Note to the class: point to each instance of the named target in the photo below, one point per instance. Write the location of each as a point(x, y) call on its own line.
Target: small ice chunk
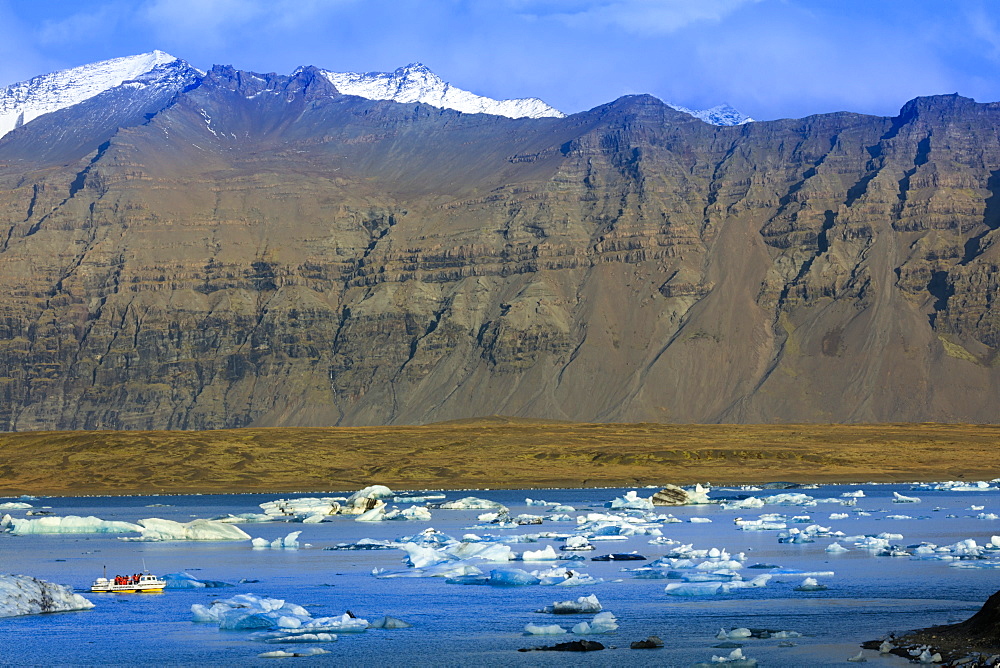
point(603, 622)
point(811, 584)
point(899, 498)
point(389, 623)
point(583, 604)
point(858, 658)
point(544, 630)
point(836, 548)
point(735, 634)
point(284, 654)
point(699, 520)
point(511, 577)
point(548, 554)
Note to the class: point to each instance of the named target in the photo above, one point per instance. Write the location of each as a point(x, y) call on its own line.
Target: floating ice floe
point(365, 499)
point(603, 622)
point(734, 634)
point(156, 529)
point(672, 495)
point(470, 503)
point(420, 513)
point(65, 524)
point(583, 604)
point(699, 520)
point(811, 584)
point(960, 486)
point(713, 588)
point(418, 499)
point(630, 501)
point(389, 623)
point(544, 630)
point(735, 659)
point(577, 544)
point(249, 612)
point(285, 654)
point(24, 595)
point(859, 494)
point(547, 554)
point(15, 505)
point(836, 548)
point(306, 507)
point(899, 498)
point(187, 581)
point(289, 542)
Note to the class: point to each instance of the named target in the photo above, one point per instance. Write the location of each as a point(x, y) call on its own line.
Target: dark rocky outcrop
point(248, 249)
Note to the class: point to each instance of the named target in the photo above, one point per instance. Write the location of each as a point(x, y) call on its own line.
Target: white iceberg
point(15, 505)
point(471, 503)
point(284, 654)
point(156, 529)
point(548, 554)
point(68, 524)
point(631, 501)
point(417, 513)
point(246, 611)
point(603, 622)
point(583, 604)
point(289, 542)
point(24, 595)
point(547, 630)
point(899, 498)
point(303, 507)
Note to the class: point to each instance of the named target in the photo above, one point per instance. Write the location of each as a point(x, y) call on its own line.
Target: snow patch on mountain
point(416, 83)
point(721, 114)
point(27, 100)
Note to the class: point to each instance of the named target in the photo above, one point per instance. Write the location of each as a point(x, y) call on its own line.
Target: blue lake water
point(456, 625)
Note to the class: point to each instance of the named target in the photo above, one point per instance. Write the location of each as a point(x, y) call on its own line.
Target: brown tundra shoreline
point(494, 452)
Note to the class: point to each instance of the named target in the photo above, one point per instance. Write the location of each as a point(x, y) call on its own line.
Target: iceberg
point(471, 503)
point(631, 501)
point(284, 654)
point(24, 595)
point(389, 623)
point(810, 584)
point(539, 630)
point(246, 611)
point(289, 542)
point(15, 505)
point(420, 513)
point(603, 622)
point(512, 577)
point(68, 524)
point(294, 636)
point(548, 554)
point(836, 548)
point(187, 581)
point(156, 529)
point(583, 604)
point(899, 498)
point(303, 507)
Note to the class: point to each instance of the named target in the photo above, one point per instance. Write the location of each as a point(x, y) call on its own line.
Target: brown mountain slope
point(264, 251)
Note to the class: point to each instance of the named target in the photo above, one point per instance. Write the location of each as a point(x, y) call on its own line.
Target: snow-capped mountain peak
point(721, 114)
point(24, 101)
point(417, 83)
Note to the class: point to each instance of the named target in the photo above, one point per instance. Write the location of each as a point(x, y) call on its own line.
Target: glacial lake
point(454, 625)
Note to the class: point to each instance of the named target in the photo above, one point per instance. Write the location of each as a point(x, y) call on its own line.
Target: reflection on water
point(478, 625)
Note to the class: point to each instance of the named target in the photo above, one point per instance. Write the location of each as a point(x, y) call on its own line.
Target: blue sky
point(768, 58)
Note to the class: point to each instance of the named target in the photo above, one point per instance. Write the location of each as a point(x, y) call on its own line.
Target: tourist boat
point(139, 583)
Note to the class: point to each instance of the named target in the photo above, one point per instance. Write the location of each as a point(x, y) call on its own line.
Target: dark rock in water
point(966, 643)
point(763, 566)
point(574, 646)
point(728, 645)
point(652, 642)
point(671, 495)
point(619, 557)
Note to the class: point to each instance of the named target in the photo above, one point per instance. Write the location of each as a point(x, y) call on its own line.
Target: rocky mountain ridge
point(246, 249)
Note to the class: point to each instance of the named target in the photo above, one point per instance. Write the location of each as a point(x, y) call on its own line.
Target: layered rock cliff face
point(243, 249)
